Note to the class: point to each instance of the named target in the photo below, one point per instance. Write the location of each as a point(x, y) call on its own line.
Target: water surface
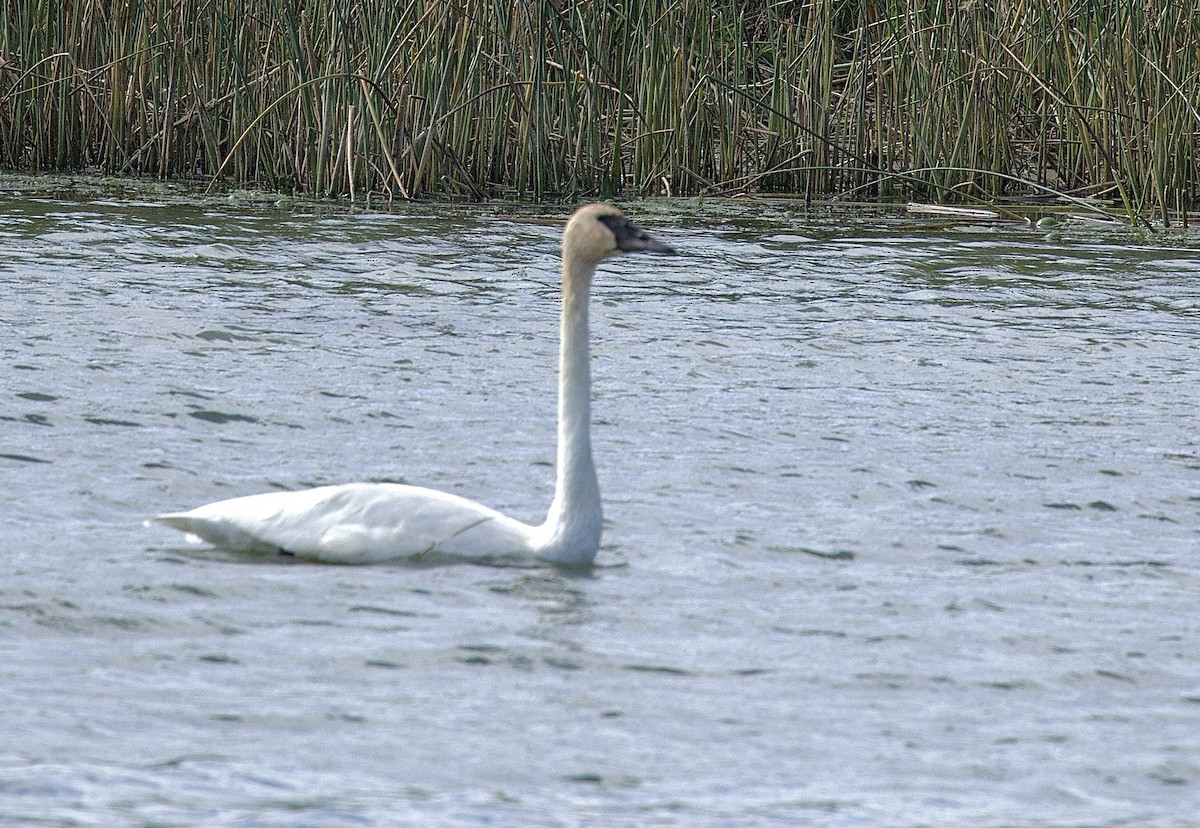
point(901, 523)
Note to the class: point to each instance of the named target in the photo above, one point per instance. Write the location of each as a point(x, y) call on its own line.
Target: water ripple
point(880, 495)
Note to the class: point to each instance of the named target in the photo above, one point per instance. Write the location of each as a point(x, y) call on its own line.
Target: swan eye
point(619, 226)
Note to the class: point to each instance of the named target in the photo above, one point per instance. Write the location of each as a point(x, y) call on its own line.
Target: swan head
point(598, 231)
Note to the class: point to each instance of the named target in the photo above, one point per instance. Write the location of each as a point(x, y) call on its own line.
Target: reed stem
point(947, 99)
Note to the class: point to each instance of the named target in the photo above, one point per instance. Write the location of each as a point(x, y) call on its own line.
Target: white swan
point(372, 522)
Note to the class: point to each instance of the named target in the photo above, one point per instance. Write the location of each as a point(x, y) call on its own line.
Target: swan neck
point(575, 516)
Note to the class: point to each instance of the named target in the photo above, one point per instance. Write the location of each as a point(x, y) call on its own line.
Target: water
point(902, 522)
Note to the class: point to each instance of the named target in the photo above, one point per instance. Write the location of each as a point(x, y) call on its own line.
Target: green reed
point(944, 99)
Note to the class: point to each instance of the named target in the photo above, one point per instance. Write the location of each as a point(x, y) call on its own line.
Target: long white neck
point(571, 533)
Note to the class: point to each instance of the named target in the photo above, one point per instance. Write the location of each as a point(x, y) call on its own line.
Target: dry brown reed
point(944, 99)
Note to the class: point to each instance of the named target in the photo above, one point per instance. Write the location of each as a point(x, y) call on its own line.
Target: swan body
point(374, 522)
point(357, 523)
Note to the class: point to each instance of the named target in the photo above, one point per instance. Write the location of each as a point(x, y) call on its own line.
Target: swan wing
point(356, 523)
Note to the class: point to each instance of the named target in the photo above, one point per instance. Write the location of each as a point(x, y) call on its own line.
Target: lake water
point(903, 522)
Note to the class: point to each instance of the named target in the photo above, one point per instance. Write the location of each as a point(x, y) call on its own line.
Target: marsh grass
point(945, 99)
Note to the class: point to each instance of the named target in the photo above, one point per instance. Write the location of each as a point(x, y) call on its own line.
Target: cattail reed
point(944, 99)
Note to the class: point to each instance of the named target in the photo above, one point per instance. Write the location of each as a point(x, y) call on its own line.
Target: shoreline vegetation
point(950, 101)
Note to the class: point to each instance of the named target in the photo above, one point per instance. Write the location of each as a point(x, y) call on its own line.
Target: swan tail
point(216, 531)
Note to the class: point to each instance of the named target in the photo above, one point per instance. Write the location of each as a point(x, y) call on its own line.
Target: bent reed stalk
point(946, 99)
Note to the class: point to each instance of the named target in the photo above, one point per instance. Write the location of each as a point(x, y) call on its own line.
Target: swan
point(357, 523)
